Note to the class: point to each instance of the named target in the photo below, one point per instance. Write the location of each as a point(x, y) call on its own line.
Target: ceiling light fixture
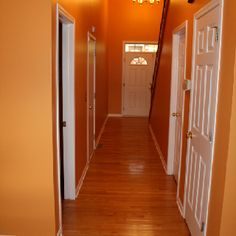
point(149, 1)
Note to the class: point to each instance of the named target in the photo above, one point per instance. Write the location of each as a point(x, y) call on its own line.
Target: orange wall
point(127, 22)
point(229, 203)
point(179, 11)
point(88, 14)
point(28, 173)
point(26, 149)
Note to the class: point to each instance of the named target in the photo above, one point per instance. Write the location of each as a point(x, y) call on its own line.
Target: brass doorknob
point(176, 114)
point(189, 135)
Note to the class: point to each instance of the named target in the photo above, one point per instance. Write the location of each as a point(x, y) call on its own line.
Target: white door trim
point(90, 36)
point(123, 69)
point(174, 83)
point(208, 7)
point(68, 75)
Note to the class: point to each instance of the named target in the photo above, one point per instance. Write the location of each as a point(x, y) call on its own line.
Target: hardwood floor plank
point(126, 191)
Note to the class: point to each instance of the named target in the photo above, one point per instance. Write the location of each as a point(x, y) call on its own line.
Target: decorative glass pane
point(138, 61)
point(140, 47)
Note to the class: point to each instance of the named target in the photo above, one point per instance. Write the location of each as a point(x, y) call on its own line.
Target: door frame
point(90, 36)
point(68, 75)
point(123, 69)
point(174, 84)
point(204, 10)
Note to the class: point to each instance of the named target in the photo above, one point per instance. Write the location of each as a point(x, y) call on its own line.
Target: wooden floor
point(126, 191)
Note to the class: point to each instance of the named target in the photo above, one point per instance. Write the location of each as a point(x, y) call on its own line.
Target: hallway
point(126, 191)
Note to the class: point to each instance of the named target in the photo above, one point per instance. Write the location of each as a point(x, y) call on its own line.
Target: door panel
point(202, 120)
point(138, 72)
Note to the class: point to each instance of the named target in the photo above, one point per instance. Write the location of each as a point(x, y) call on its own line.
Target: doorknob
point(90, 107)
point(189, 135)
point(176, 114)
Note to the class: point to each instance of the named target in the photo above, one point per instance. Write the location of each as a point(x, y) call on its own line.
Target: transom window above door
point(140, 47)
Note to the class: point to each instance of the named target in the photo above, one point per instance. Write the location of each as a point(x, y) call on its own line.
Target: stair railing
point(158, 54)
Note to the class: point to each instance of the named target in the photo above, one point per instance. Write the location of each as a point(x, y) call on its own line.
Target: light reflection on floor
point(136, 168)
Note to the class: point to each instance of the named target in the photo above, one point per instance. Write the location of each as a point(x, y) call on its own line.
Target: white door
point(66, 102)
point(202, 118)
point(138, 73)
point(178, 114)
point(91, 94)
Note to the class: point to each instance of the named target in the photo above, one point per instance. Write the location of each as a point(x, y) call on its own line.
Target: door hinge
point(203, 227)
point(217, 33)
point(211, 137)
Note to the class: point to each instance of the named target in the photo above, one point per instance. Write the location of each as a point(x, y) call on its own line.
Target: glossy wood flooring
point(126, 191)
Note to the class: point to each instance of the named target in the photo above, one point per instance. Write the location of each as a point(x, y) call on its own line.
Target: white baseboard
point(101, 131)
point(180, 206)
point(59, 233)
point(115, 115)
point(81, 180)
point(158, 149)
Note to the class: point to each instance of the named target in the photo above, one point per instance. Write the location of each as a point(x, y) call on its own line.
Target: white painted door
point(179, 103)
point(91, 94)
point(66, 102)
point(202, 118)
point(138, 73)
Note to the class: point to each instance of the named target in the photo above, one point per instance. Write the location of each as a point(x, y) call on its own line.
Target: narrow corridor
point(126, 191)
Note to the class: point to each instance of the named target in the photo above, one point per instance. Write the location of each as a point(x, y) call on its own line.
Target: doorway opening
point(91, 96)
point(61, 120)
point(138, 66)
point(65, 107)
point(178, 89)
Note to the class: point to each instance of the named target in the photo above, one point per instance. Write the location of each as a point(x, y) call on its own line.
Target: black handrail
point(158, 54)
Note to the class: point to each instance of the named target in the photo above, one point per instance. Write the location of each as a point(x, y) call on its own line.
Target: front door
point(138, 73)
point(91, 94)
point(202, 118)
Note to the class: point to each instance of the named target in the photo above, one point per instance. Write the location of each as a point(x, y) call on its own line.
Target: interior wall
point(29, 192)
point(88, 14)
point(229, 203)
point(26, 148)
point(127, 22)
point(179, 11)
